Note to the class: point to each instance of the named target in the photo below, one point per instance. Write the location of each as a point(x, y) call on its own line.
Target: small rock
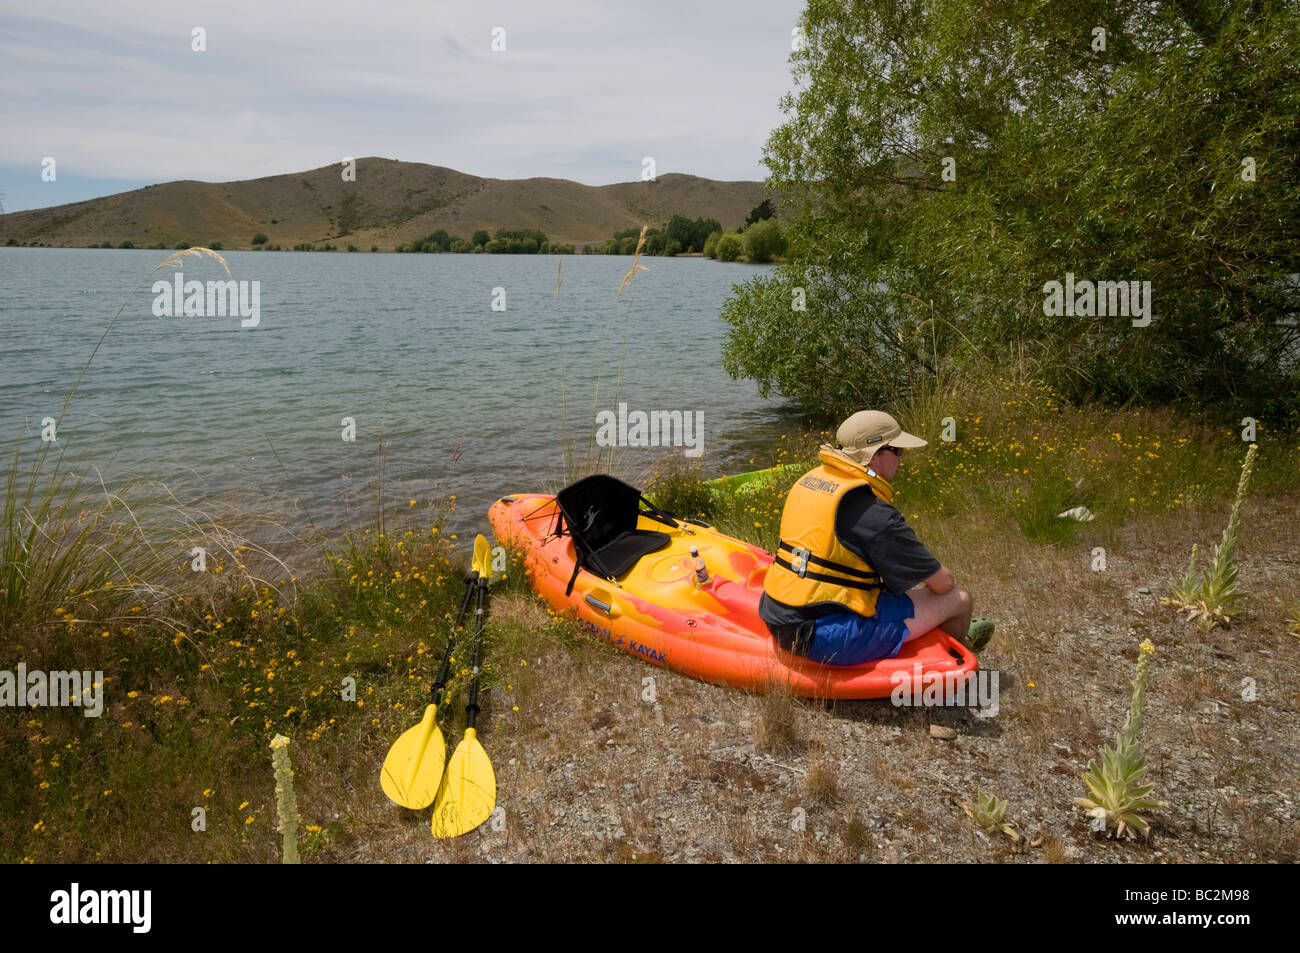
point(1144, 590)
point(943, 731)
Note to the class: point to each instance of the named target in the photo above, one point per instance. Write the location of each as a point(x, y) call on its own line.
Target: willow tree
point(941, 162)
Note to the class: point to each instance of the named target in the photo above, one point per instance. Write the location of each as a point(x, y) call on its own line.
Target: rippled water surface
point(471, 401)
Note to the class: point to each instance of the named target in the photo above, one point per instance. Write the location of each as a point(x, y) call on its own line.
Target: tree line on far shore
point(759, 240)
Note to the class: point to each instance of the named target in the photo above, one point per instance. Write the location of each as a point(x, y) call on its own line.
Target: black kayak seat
point(600, 513)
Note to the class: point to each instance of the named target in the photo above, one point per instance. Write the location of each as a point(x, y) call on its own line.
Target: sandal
point(981, 630)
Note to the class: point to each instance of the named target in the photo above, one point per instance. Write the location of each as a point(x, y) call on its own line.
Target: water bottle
point(701, 571)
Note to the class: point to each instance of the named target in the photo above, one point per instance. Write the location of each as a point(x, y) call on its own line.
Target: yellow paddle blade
point(482, 556)
point(413, 769)
point(469, 790)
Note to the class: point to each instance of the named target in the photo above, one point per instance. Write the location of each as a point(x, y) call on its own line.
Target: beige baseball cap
point(867, 431)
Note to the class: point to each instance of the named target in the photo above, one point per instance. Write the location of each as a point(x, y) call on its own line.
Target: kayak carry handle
point(604, 607)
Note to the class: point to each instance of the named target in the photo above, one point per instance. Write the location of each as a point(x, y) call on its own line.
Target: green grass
point(193, 713)
point(1021, 458)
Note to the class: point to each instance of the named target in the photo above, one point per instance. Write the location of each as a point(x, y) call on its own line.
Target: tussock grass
point(776, 720)
point(821, 783)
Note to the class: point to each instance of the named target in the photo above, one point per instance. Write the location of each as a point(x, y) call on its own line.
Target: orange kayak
point(656, 611)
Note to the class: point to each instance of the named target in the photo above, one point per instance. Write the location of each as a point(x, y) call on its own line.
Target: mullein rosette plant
point(1116, 787)
point(990, 813)
point(1212, 596)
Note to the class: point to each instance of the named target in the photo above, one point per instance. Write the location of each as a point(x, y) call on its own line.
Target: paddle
point(469, 788)
point(413, 768)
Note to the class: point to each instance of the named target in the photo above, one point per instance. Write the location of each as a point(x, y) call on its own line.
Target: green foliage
point(1117, 791)
point(259, 238)
point(215, 246)
point(438, 241)
point(710, 248)
point(680, 235)
point(1147, 186)
point(480, 237)
point(680, 489)
point(729, 247)
point(127, 244)
point(691, 234)
point(182, 246)
point(763, 241)
point(157, 246)
point(763, 210)
point(1213, 596)
point(374, 248)
point(989, 813)
point(352, 247)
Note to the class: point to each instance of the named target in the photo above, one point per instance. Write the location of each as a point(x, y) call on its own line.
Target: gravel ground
point(588, 770)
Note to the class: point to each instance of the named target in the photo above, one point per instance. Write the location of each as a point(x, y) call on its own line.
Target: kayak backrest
point(600, 513)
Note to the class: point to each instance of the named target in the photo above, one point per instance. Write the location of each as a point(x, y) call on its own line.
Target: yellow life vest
point(811, 564)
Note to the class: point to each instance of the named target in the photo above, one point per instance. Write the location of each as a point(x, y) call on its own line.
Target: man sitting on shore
point(840, 589)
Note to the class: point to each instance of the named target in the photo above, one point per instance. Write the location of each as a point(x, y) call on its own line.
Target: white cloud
point(583, 91)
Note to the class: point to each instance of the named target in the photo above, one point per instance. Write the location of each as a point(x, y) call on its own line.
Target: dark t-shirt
point(874, 530)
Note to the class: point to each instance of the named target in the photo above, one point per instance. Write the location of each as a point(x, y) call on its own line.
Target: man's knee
point(962, 598)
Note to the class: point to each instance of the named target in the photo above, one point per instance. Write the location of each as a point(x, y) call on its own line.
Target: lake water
point(471, 401)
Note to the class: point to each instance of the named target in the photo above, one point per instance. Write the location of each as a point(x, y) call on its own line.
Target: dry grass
point(821, 783)
point(776, 721)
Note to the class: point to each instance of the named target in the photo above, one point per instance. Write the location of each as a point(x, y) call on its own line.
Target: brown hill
point(389, 203)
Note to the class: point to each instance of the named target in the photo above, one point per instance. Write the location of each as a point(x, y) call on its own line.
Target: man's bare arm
point(941, 582)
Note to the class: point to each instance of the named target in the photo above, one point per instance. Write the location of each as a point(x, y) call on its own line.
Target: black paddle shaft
point(441, 681)
point(471, 710)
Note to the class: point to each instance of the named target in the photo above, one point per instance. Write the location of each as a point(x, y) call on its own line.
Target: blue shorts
point(846, 638)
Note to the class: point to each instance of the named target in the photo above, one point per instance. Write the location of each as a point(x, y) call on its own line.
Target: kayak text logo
point(36, 689)
point(948, 689)
point(103, 906)
point(658, 428)
point(212, 299)
point(1099, 299)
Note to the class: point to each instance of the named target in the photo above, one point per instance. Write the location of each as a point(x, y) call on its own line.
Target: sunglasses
point(896, 451)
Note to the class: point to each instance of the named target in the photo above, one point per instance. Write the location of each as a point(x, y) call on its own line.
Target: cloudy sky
point(584, 90)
